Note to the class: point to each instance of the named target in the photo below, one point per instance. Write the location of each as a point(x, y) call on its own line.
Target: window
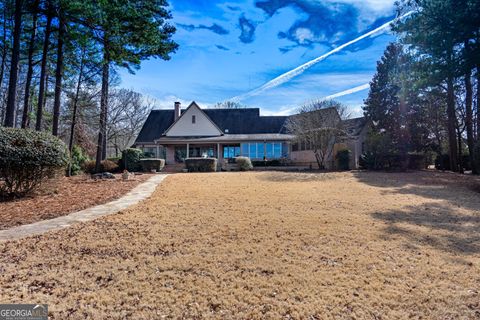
point(149, 152)
point(277, 150)
point(231, 151)
point(194, 119)
point(269, 150)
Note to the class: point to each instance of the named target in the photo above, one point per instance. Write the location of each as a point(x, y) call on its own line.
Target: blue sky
point(229, 48)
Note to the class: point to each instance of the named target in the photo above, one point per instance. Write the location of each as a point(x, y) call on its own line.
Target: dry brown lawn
point(265, 245)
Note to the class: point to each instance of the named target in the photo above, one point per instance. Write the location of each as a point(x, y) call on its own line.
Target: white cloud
point(304, 34)
point(378, 6)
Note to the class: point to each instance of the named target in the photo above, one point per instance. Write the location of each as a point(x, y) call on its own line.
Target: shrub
point(343, 158)
point(268, 163)
point(243, 163)
point(477, 156)
point(108, 166)
point(152, 164)
point(417, 161)
point(442, 162)
point(77, 160)
point(368, 161)
point(115, 159)
point(105, 166)
point(28, 159)
point(89, 166)
point(201, 164)
point(131, 159)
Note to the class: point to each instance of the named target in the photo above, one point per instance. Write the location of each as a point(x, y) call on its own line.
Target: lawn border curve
point(134, 196)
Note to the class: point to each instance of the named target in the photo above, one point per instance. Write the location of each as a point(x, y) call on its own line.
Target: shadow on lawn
point(458, 190)
point(434, 225)
point(279, 176)
point(441, 224)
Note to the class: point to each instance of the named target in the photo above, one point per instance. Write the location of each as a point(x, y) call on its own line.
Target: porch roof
point(226, 138)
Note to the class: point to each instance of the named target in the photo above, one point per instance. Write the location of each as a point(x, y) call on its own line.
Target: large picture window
point(257, 150)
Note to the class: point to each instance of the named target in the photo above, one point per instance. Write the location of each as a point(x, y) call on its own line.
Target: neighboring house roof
point(354, 126)
point(246, 121)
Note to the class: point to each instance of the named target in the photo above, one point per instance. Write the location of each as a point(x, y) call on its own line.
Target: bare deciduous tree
point(128, 112)
point(229, 105)
point(319, 126)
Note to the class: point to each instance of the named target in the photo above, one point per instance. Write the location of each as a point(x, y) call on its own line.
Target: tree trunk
point(28, 81)
point(103, 108)
point(460, 150)
point(74, 113)
point(478, 107)
point(452, 120)
point(469, 118)
point(12, 85)
point(58, 75)
point(4, 50)
point(43, 71)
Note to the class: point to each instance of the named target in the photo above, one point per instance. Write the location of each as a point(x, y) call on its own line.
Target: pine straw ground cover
point(68, 195)
point(264, 245)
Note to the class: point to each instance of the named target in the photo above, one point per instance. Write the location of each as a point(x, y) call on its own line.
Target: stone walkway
point(137, 194)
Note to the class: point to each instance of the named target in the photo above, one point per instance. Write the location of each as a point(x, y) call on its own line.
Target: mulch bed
point(69, 195)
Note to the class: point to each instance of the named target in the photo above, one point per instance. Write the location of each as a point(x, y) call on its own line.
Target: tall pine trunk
point(478, 107)
point(102, 133)
point(4, 50)
point(12, 85)
point(28, 80)
point(74, 112)
point(469, 118)
point(43, 71)
point(451, 124)
point(58, 75)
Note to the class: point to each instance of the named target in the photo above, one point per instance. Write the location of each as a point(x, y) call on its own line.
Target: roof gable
point(193, 122)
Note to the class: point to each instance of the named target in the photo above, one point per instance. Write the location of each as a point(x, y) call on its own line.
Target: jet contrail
point(281, 79)
point(347, 92)
point(335, 95)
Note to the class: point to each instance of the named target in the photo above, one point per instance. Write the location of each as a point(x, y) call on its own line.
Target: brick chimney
point(177, 110)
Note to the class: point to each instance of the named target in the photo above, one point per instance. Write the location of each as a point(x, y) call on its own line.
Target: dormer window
point(194, 119)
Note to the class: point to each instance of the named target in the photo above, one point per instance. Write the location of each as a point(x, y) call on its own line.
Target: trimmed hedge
point(243, 163)
point(28, 159)
point(150, 164)
point(131, 159)
point(201, 164)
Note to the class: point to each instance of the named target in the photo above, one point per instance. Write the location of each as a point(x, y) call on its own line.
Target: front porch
point(177, 153)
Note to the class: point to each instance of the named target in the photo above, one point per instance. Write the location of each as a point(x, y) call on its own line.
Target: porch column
point(218, 151)
point(188, 151)
point(158, 152)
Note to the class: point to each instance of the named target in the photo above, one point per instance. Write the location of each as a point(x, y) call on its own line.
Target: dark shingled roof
point(237, 121)
point(354, 126)
point(157, 122)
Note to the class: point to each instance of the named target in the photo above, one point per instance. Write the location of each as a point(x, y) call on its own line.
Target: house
point(178, 133)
